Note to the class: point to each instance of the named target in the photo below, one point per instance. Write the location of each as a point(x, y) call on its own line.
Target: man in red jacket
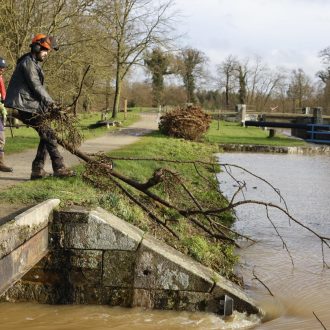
point(3, 114)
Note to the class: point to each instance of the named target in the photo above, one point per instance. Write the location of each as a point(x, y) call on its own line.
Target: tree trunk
point(116, 100)
point(227, 95)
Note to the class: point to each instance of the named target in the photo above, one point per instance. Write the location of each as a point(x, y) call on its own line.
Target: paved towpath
point(21, 162)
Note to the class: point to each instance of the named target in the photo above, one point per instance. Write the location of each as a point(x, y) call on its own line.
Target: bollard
point(272, 133)
point(125, 108)
point(317, 115)
point(241, 109)
point(243, 115)
point(306, 111)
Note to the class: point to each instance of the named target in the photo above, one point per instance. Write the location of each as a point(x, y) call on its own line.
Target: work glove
point(52, 108)
point(60, 109)
point(56, 107)
point(3, 112)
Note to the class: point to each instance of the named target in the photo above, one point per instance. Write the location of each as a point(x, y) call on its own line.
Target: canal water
point(298, 290)
point(43, 317)
point(301, 292)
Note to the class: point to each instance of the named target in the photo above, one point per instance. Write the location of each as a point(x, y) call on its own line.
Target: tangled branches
point(64, 123)
point(164, 195)
point(204, 216)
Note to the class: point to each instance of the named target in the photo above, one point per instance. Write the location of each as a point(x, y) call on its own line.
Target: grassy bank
point(23, 138)
point(191, 241)
point(234, 133)
point(18, 140)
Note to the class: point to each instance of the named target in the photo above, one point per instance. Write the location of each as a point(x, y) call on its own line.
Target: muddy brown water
point(42, 317)
point(302, 289)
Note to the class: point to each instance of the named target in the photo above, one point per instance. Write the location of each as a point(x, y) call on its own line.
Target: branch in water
point(280, 236)
point(319, 321)
point(259, 280)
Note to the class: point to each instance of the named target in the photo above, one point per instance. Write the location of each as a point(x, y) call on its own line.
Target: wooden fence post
point(125, 108)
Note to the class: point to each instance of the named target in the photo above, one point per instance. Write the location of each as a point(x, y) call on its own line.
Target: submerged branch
point(320, 321)
point(251, 201)
point(280, 236)
point(261, 282)
point(276, 190)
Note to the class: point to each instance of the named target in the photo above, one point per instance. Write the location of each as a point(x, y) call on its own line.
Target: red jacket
point(2, 89)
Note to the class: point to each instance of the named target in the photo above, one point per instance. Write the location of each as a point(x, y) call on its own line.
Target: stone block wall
point(23, 242)
point(97, 258)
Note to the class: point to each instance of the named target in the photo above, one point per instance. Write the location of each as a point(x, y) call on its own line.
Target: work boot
point(39, 174)
point(64, 173)
point(3, 167)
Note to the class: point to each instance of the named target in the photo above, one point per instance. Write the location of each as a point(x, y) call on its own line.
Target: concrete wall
point(23, 242)
point(97, 258)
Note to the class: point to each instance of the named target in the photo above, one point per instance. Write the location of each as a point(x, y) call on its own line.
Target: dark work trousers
point(2, 137)
point(48, 142)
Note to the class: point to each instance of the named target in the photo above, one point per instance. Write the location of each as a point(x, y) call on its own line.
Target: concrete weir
point(96, 258)
point(24, 242)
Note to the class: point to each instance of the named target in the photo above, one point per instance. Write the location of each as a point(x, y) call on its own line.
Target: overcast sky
point(284, 33)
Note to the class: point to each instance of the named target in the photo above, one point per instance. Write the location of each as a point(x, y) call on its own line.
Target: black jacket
point(26, 91)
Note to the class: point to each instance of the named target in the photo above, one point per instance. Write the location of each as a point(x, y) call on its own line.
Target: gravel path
point(21, 162)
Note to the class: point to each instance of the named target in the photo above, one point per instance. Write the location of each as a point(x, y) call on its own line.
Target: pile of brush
point(189, 123)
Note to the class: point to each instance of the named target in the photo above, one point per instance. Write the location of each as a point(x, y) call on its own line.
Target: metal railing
point(319, 133)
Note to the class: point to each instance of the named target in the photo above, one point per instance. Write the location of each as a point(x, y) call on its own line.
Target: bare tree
point(300, 88)
point(279, 95)
point(262, 84)
point(65, 19)
point(324, 75)
point(325, 55)
point(256, 84)
point(227, 77)
point(130, 27)
point(20, 20)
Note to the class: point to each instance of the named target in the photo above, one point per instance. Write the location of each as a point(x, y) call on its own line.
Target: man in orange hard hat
point(27, 94)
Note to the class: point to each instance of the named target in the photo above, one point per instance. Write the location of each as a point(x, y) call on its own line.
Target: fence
point(319, 133)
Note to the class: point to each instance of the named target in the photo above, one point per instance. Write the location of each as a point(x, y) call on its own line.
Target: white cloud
point(288, 33)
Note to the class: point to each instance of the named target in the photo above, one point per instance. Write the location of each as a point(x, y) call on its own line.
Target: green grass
point(70, 191)
point(76, 191)
point(157, 145)
point(149, 146)
point(23, 138)
point(27, 138)
point(234, 133)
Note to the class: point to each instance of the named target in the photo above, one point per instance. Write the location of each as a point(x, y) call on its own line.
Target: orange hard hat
point(42, 40)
